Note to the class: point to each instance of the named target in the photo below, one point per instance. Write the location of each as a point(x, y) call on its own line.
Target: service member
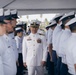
point(19, 39)
point(54, 41)
point(65, 35)
point(8, 56)
point(49, 42)
point(14, 16)
point(2, 32)
point(34, 51)
point(70, 48)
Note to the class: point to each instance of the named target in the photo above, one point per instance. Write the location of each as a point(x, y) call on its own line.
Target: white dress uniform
point(40, 31)
point(19, 43)
point(50, 32)
point(56, 37)
point(65, 35)
point(49, 40)
point(12, 37)
point(70, 51)
point(1, 63)
point(56, 32)
point(8, 57)
point(34, 53)
point(46, 35)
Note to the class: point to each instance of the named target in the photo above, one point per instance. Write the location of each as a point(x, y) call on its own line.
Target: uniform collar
point(11, 35)
point(62, 29)
point(5, 36)
point(67, 29)
point(18, 37)
point(33, 34)
point(50, 29)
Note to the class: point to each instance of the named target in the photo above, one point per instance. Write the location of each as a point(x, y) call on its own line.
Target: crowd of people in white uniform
point(61, 44)
point(53, 48)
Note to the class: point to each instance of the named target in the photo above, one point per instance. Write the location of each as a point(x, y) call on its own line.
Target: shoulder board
point(41, 34)
point(42, 29)
point(26, 35)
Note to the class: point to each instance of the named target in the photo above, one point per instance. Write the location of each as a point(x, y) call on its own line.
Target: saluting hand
point(24, 64)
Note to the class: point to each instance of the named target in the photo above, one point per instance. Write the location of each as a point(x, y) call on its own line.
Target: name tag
point(29, 39)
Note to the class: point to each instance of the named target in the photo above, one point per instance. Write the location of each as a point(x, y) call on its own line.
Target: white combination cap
point(50, 21)
point(38, 22)
point(58, 16)
point(1, 11)
point(13, 11)
point(71, 22)
point(7, 12)
point(67, 15)
point(35, 21)
point(53, 23)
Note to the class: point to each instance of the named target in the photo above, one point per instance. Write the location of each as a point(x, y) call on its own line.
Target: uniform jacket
point(7, 56)
point(34, 49)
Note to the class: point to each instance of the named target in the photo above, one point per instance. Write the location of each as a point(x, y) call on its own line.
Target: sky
point(37, 16)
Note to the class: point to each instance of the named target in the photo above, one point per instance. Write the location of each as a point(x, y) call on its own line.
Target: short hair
point(73, 27)
point(62, 26)
point(64, 22)
point(53, 25)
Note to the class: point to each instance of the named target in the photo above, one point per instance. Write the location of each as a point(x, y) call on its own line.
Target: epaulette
point(41, 29)
point(26, 35)
point(41, 34)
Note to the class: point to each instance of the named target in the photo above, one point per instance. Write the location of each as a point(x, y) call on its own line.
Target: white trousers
point(35, 70)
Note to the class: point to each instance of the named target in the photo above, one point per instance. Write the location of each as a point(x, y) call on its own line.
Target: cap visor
point(34, 26)
point(2, 22)
point(15, 17)
point(9, 18)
